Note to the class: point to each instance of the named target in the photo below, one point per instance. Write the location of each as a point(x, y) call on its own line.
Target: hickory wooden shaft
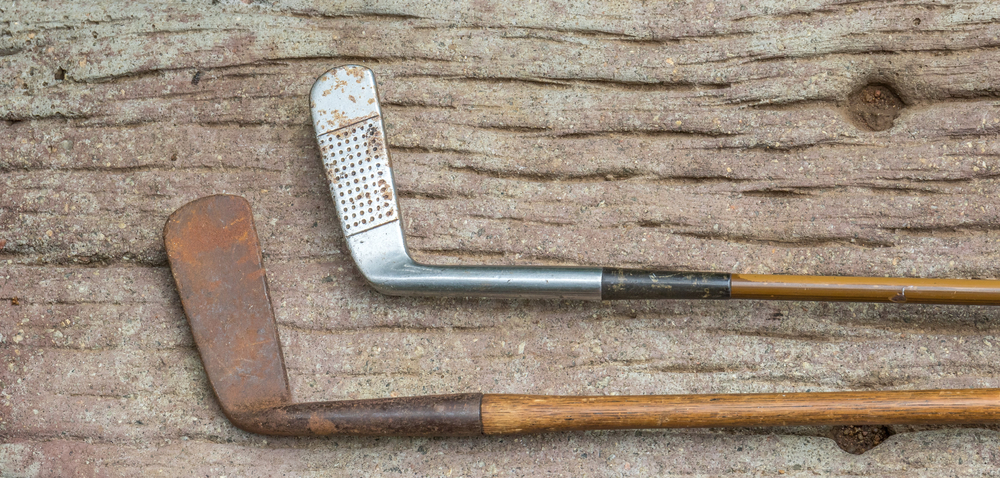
point(865, 289)
point(506, 414)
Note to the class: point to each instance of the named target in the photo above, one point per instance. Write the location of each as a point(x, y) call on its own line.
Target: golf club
point(348, 124)
point(216, 261)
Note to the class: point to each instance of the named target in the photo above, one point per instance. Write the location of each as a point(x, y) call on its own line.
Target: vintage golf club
point(348, 124)
point(216, 262)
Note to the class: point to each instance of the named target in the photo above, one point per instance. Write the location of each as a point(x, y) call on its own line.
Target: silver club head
point(352, 142)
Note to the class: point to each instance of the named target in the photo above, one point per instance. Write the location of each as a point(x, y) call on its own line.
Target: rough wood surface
point(689, 135)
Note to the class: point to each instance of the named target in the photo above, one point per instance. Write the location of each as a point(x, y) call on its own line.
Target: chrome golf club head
point(352, 140)
point(351, 136)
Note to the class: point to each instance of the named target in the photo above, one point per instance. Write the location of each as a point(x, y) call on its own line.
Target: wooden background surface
point(691, 135)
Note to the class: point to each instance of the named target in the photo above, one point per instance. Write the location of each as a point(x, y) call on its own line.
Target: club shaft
point(515, 414)
point(865, 289)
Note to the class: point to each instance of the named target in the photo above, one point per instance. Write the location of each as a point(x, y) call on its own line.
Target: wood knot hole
point(874, 107)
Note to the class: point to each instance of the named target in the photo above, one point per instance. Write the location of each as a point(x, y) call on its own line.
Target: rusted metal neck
point(429, 415)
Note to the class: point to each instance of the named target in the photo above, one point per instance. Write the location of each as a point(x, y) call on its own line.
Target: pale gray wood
point(694, 135)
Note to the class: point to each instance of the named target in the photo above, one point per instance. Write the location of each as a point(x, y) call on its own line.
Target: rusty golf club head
point(347, 120)
point(216, 261)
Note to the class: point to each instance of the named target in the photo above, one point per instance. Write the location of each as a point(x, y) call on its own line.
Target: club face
point(216, 262)
point(348, 124)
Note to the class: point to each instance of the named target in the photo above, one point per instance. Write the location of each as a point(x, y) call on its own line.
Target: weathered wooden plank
point(695, 135)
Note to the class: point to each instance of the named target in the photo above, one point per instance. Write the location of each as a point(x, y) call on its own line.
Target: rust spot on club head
point(385, 190)
point(357, 72)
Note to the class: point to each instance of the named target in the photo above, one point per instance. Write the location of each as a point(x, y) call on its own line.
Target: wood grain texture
point(671, 135)
point(866, 289)
point(509, 414)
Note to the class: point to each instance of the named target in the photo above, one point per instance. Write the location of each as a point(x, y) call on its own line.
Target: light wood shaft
point(515, 414)
point(865, 289)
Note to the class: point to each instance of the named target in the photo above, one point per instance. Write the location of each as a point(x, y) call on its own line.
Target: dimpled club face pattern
point(351, 138)
point(358, 172)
